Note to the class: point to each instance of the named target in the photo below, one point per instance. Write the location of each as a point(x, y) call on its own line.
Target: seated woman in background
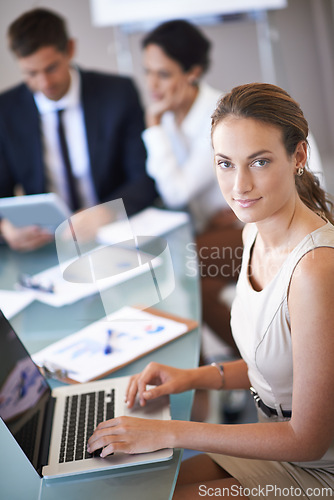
point(177, 140)
point(282, 319)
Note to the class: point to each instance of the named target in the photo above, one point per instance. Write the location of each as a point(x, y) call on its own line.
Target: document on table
point(111, 343)
point(124, 265)
point(13, 302)
point(149, 222)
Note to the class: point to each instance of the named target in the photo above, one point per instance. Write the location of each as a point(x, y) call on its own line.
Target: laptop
point(52, 427)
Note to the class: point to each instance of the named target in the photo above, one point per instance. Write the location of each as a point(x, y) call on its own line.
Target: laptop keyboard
point(83, 412)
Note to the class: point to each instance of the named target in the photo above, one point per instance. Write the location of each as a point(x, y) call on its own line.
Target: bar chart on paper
point(110, 343)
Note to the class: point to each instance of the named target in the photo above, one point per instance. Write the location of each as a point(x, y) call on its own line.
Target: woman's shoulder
point(323, 236)
point(316, 249)
point(311, 291)
point(316, 266)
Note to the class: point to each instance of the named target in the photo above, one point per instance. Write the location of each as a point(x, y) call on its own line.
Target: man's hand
point(23, 239)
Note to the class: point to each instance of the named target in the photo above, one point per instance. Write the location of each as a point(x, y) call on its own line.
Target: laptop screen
point(24, 392)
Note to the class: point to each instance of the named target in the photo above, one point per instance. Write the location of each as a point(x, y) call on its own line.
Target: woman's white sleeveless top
point(261, 324)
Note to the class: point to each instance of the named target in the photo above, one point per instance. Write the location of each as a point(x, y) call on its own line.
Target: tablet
point(45, 210)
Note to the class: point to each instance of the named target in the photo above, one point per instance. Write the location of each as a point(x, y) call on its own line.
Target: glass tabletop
point(39, 325)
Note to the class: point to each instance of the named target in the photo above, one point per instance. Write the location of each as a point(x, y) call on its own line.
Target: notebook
point(52, 427)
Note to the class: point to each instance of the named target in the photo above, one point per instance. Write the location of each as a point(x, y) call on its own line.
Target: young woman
point(176, 56)
point(282, 320)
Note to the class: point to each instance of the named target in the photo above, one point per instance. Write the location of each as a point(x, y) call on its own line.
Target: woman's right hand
point(174, 99)
point(165, 379)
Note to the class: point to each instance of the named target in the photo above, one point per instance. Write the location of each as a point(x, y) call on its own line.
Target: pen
point(108, 349)
point(27, 281)
point(53, 371)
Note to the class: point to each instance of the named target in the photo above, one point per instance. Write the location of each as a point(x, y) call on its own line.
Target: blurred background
point(286, 42)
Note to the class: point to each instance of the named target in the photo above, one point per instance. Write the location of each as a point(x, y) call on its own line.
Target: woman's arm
point(310, 431)
point(170, 380)
point(311, 300)
point(178, 182)
point(181, 176)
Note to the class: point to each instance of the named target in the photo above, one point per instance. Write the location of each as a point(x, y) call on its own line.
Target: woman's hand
point(178, 98)
point(166, 379)
point(129, 435)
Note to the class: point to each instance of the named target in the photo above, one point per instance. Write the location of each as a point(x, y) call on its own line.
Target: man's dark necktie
point(73, 192)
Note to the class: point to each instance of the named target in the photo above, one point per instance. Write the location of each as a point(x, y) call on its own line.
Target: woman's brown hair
point(271, 104)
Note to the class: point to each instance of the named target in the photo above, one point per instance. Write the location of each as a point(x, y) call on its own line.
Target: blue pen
point(27, 281)
point(108, 349)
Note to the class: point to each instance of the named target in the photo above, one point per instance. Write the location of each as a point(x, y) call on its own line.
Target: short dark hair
point(182, 42)
point(35, 29)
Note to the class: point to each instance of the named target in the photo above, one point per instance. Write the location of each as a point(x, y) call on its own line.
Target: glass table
point(38, 325)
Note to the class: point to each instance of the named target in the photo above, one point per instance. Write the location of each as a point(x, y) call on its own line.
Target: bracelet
point(220, 368)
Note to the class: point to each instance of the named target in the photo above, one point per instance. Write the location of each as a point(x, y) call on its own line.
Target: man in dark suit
point(102, 121)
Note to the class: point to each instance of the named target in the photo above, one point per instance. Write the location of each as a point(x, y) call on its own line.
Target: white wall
point(301, 48)
point(299, 43)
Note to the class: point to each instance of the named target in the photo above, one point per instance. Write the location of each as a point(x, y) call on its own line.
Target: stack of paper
point(150, 222)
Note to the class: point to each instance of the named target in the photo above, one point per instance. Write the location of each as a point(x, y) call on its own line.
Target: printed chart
point(109, 343)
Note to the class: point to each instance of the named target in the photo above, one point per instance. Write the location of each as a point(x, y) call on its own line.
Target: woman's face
point(255, 174)
point(165, 78)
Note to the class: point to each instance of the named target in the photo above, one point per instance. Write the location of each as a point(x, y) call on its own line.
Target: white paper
point(150, 222)
point(68, 292)
point(13, 302)
point(134, 333)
